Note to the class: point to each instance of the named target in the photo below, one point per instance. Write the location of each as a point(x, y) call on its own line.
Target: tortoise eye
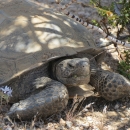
point(70, 66)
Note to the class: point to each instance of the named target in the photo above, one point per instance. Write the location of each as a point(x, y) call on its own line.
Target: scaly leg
point(53, 98)
point(110, 85)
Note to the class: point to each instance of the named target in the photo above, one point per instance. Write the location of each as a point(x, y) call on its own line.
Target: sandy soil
point(94, 113)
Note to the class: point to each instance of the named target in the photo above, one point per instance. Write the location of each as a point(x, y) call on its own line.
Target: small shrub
point(109, 17)
point(124, 66)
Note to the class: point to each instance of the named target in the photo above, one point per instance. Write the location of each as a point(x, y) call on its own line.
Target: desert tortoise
point(43, 52)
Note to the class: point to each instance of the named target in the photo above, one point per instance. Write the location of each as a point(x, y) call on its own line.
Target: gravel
point(100, 114)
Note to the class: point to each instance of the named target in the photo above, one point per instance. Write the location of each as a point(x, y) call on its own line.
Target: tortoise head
point(72, 72)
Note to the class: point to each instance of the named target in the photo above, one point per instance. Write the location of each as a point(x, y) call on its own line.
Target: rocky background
point(94, 113)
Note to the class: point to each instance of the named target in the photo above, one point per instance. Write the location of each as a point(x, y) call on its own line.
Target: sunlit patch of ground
point(94, 113)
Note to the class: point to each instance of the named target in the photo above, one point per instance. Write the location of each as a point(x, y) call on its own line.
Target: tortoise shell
point(31, 35)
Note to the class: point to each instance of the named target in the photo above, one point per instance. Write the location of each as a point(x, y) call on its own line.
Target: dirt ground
point(94, 113)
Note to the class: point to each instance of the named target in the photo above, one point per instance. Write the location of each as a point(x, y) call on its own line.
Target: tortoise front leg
point(110, 85)
point(53, 98)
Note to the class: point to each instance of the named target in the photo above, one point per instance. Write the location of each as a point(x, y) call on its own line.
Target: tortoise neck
point(52, 67)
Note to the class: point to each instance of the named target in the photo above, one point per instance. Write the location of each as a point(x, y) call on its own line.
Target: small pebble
point(116, 106)
point(69, 124)
point(90, 119)
point(62, 122)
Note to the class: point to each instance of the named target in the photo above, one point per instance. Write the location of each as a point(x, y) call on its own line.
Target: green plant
point(124, 17)
point(95, 22)
point(3, 97)
point(5, 93)
point(106, 14)
point(109, 17)
point(124, 66)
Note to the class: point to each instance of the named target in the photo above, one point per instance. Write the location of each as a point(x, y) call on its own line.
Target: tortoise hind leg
point(50, 100)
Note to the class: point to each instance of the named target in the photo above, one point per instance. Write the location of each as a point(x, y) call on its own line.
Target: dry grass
point(95, 114)
point(89, 115)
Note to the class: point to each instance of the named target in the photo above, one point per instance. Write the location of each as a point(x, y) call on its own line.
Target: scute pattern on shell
point(31, 35)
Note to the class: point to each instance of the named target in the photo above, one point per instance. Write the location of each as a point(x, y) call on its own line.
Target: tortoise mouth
point(75, 80)
point(78, 77)
point(81, 77)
